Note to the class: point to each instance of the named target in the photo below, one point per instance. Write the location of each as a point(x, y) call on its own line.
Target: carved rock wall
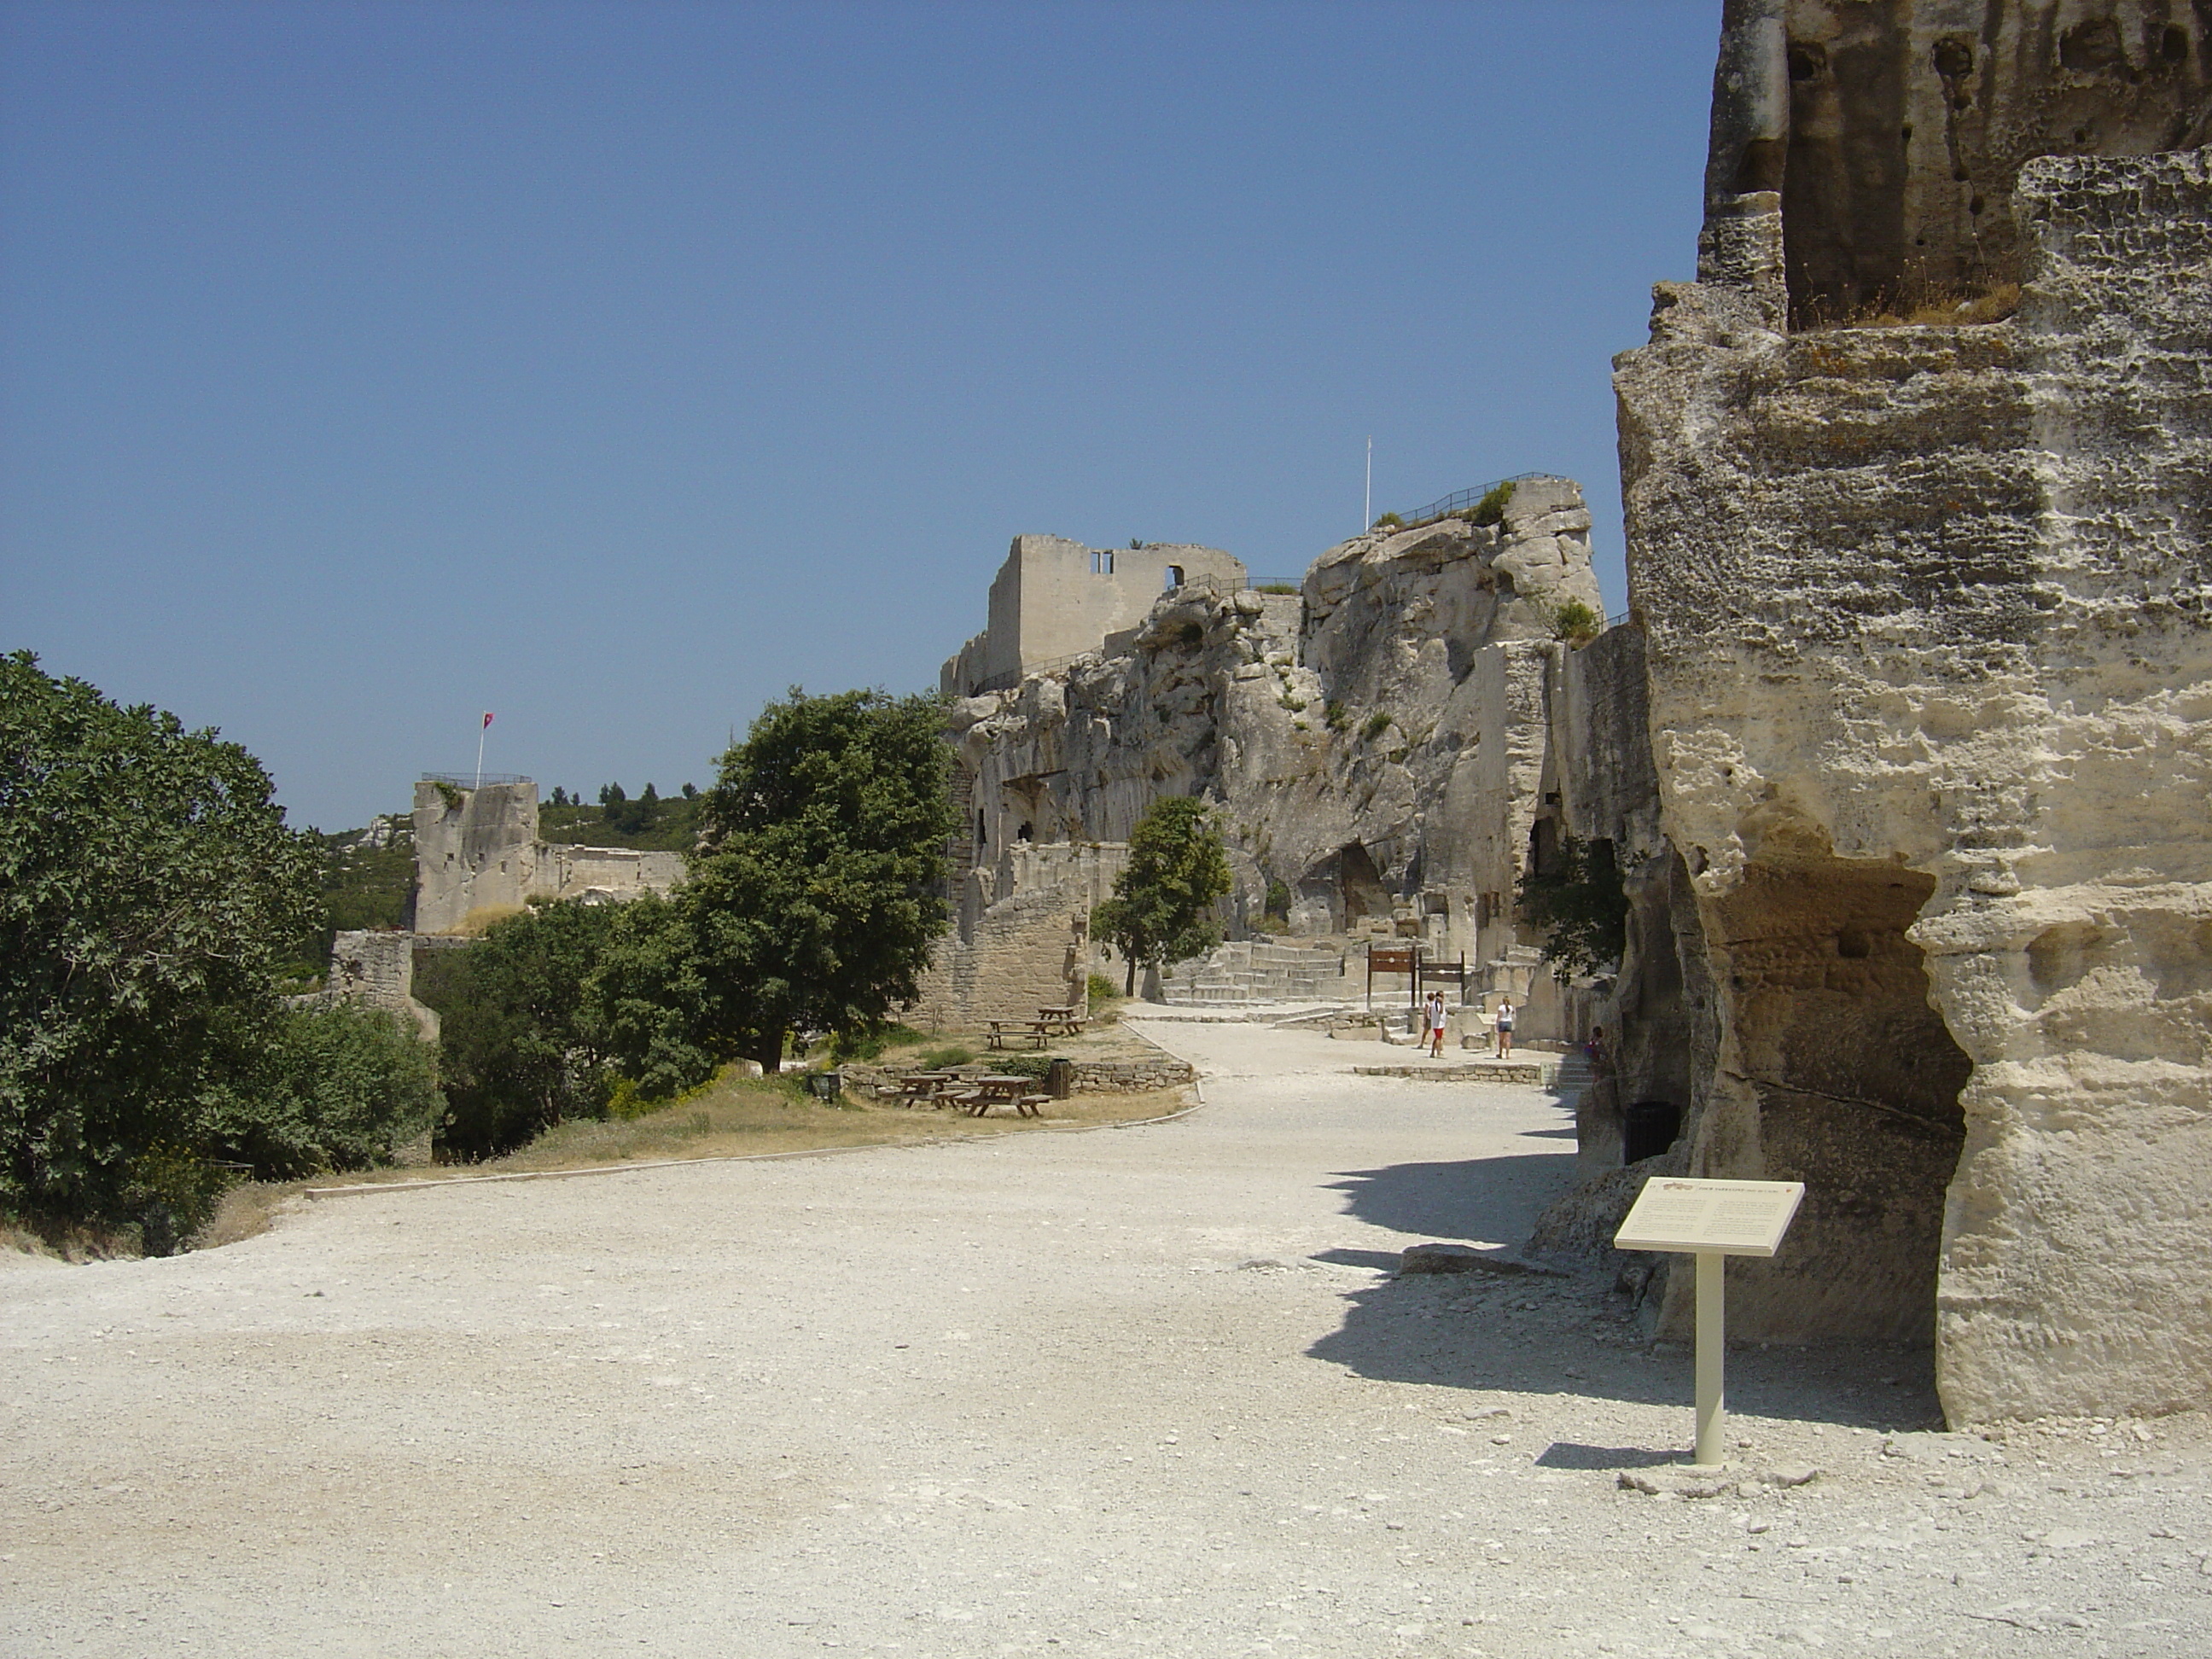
point(1930, 670)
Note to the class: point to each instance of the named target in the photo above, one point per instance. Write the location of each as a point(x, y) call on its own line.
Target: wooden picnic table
point(1065, 1018)
point(1014, 1091)
point(916, 1087)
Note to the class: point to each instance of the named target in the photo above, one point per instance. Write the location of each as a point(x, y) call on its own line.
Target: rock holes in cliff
point(1857, 1080)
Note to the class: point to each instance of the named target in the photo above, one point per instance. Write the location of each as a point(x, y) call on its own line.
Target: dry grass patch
point(744, 1117)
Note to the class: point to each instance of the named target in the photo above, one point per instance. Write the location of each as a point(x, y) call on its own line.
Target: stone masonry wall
point(477, 856)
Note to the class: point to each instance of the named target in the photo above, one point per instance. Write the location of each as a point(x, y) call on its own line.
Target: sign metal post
point(1711, 1220)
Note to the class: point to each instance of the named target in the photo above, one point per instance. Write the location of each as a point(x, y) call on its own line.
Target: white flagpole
point(482, 727)
point(1367, 511)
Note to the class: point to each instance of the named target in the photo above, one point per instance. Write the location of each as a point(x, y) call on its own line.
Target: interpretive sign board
point(1732, 1218)
point(1711, 1220)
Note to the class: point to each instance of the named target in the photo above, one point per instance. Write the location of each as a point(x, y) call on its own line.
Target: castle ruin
point(478, 856)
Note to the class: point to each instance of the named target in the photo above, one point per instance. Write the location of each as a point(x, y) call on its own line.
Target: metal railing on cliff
point(1461, 499)
point(471, 779)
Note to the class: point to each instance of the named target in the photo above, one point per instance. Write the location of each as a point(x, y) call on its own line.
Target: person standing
point(1505, 1028)
point(1436, 1010)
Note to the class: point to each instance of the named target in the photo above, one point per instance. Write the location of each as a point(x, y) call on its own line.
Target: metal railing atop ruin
point(471, 779)
point(1459, 500)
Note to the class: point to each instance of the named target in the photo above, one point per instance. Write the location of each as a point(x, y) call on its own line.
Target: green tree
point(815, 906)
point(1576, 900)
point(342, 1087)
point(1161, 910)
point(520, 1045)
point(148, 892)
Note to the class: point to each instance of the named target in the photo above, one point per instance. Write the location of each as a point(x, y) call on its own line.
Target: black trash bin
point(1649, 1128)
point(1060, 1078)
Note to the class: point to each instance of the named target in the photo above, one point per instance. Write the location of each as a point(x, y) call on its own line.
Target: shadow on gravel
point(1542, 1335)
point(1382, 1262)
point(1548, 1336)
point(1476, 1198)
point(1570, 1455)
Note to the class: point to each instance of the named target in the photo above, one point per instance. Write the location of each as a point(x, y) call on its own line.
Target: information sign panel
point(1728, 1217)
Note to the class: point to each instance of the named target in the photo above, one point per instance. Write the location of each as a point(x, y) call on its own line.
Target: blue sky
point(614, 366)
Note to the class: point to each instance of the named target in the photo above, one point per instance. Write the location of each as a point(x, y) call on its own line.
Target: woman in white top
point(1504, 1027)
point(1436, 1014)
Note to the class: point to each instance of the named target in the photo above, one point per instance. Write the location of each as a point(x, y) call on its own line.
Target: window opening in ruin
point(1025, 833)
point(1174, 575)
point(1102, 562)
point(980, 836)
point(1543, 845)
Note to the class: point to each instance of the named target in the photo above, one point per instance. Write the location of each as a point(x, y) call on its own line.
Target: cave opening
point(1856, 1080)
point(1359, 885)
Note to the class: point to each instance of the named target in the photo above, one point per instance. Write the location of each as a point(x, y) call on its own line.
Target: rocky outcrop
point(1377, 742)
point(1928, 618)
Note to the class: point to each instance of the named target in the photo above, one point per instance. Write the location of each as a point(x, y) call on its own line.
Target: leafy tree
point(821, 893)
point(148, 891)
point(520, 1045)
point(1161, 910)
point(1576, 900)
point(334, 1088)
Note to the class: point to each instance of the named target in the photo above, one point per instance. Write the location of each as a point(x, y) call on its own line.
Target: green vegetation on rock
point(1578, 902)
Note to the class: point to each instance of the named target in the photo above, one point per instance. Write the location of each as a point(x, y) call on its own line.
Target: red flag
point(487, 720)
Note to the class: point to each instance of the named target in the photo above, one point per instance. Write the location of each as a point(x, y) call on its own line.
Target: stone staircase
point(1572, 1075)
point(1255, 971)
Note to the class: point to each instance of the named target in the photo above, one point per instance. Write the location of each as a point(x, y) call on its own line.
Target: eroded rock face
point(1929, 613)
point(1377, 742)
point(1896, 130)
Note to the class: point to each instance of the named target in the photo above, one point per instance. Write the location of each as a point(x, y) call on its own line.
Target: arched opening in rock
point(1856, 1082)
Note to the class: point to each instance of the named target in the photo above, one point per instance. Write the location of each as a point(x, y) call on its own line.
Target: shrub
point(1338, 715)
point(868, 1044)
point(1101, 990)
point(1296, 705)
point(1031, 1066)
point(1491, 509)
point(1276, 906)
point(1397, 757)
point(1377, 724)
point(452, 797)
point(937, 1059)
point(1576, 623)
point(1388, 521)
point(1578, 902)
point(1277, 588)
point(339, 1088)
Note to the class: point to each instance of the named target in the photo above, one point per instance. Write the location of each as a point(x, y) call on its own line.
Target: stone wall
point(477, 857)
point(1021, 935)
point(1054, 598)
point(1928, 613)
point(376, 968)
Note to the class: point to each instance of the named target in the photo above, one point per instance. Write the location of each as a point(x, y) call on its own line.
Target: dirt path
point(1143, 1392)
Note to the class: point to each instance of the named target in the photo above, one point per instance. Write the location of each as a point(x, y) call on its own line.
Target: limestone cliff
point(1376, 741)
point(1928, 617)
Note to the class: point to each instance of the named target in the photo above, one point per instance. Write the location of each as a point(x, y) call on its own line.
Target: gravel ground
point(1142, 1392)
